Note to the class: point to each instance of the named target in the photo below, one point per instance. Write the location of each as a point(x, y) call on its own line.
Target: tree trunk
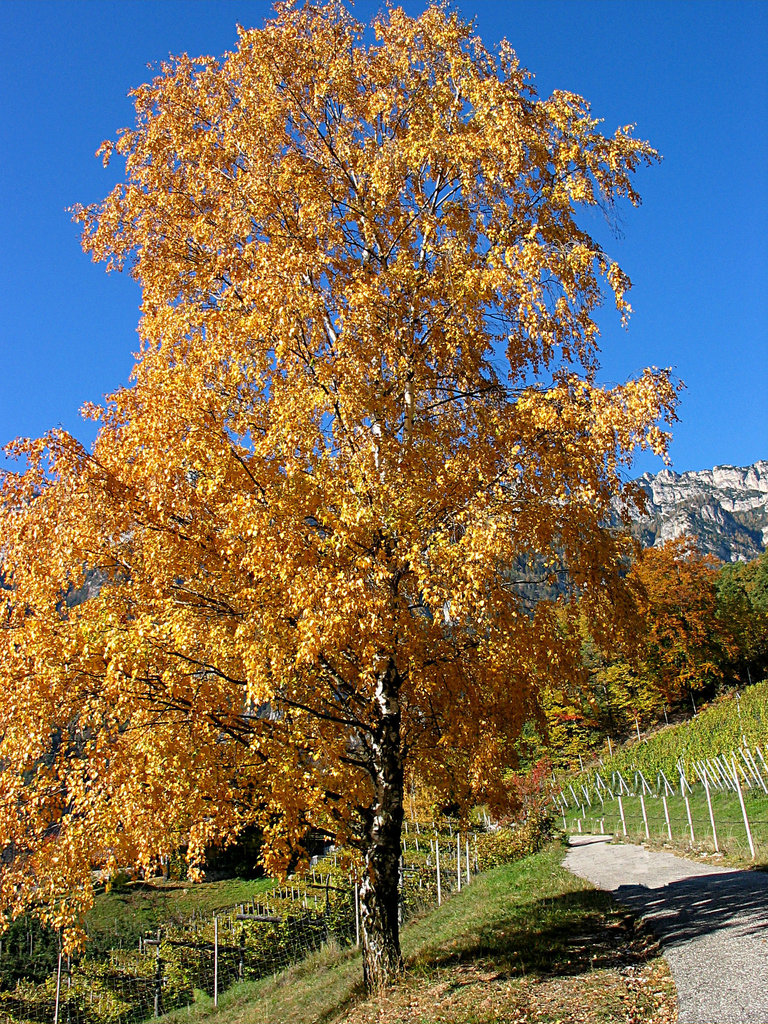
point(379, 891)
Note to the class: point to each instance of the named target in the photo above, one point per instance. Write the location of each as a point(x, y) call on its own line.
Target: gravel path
point(712, 923)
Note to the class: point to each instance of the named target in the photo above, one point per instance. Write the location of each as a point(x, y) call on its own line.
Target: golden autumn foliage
point(680, 642)
point(366, 390)
point(685, 643)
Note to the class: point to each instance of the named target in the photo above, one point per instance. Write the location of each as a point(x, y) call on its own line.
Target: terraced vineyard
point(272, 926)
point(701, 785)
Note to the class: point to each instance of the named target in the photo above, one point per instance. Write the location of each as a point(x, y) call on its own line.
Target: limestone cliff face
point(725, 509)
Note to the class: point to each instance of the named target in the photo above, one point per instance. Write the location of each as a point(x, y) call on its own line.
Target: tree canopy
point(366, 394)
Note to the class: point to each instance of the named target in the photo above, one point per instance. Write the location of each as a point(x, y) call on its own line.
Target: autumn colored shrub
point(513, 842)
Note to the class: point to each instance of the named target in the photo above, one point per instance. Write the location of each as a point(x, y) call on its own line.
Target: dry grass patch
point(638, 990)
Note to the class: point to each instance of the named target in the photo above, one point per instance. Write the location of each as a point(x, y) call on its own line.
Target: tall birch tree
point(367, 393)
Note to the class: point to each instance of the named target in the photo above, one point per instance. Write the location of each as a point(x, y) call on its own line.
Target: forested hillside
point(700, 630)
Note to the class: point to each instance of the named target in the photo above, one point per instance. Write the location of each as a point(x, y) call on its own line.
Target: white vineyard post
point(458, 861)
point(749, 778)
point(466, 860)
point(744, 811)
point(729, 771)
point(621, 811)
point(726, 769)
point(666, 814)
point(715, 776)
point(645, 816)
point(357, 913)
point(732, 767)
point(757, 772)
point(437, 863)
point(58, 986)
point(159, 966)
point(703, 773)
point(747, 761)
point(718, 774)
point(215, 960)
point(762, 759)
point(687, 806)
point(668, 788)
point(711, 812)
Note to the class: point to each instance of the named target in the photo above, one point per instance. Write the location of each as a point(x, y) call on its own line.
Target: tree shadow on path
point(701, 905)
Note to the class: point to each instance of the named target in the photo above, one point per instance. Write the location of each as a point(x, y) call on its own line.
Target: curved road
point(712, 924)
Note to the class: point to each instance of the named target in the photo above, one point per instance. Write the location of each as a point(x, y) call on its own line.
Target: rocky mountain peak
point(725, 509)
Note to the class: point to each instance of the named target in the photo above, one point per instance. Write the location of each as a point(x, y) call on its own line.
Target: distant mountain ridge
point(725, 509)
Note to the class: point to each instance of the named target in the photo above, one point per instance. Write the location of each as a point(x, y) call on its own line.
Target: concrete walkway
point(712, 923)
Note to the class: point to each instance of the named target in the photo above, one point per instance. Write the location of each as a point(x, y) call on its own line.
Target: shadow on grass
point(563, 935)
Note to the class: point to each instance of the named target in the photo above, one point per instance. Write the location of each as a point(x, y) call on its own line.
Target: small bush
point(513, 842)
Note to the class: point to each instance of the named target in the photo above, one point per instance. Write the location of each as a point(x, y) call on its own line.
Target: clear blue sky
point(693, 76)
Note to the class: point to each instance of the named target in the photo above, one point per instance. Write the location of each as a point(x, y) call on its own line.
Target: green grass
point(525, 942)
point(729, 823)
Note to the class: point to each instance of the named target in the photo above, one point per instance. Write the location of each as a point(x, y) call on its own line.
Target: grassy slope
point(731, 834)
point(526, 942)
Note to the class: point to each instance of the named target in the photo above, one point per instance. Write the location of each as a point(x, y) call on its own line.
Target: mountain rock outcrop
point(725, 509)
